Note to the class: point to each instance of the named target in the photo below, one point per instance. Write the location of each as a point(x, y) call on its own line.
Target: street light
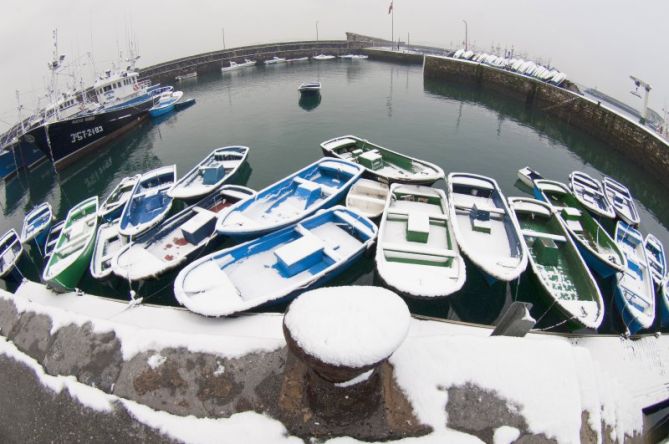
point(316, 30)
point(466, 38)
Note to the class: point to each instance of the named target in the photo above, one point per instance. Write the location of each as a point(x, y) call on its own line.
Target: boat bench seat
point(398, 212)
point(199, 226)
point(418, 249)
point(328, 191)
point(366, 199)
point(539, 234)
point(71, 247)
point(300, 254)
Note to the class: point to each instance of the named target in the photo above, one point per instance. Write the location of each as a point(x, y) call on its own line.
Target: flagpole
point(392, 28)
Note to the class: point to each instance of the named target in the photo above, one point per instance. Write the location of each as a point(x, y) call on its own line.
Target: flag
point(390, 8)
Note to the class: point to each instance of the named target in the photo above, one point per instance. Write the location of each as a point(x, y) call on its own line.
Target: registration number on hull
point(85, 134)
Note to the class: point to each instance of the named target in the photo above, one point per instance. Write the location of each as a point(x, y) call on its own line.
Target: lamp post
point(223, 34)
point(466, 37)
point(316, 30)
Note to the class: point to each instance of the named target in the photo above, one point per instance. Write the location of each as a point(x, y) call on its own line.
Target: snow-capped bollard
point(516, 321)
point(344, 333)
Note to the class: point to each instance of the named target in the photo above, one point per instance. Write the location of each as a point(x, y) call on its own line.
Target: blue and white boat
point(7, 163)
point(657, 260)
point(634, 293)
point(113, 205)
point(10, 252)
point(621, 201)
point(164, 103)
point(664, 303)
point(52, 239)
point(589, 192)
point(178, 239)
point(277, 266)
point(107, 243)
point(149, 203)
point(319, 185)
point(217, 168)
point(484, 226)
point(36, 224)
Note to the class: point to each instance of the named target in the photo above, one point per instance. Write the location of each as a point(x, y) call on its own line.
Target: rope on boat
point(556, 325)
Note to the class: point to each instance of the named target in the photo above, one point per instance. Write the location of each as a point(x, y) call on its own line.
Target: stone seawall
point(640, 145)
point(384, 55)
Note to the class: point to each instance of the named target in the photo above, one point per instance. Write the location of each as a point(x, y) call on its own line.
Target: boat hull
point(598, 265)
point(161, 111)
point(630, 321)
point(68, 279)
point(664, 306)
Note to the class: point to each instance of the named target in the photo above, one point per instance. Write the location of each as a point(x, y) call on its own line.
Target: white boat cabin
point(118, 87)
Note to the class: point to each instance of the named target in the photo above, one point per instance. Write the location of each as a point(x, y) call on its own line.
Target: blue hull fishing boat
point(113, 205)
point(7, 164)
point(217, 168)
point(149, 202)
point(275, 267)
point(178, 239)
point(36, 224)
point(657, 260)
point(590, 194)
point(165, 103)
point(52, 239)
point(317, 186)
point(634, 293)
point(10, 252)
point(621, 201)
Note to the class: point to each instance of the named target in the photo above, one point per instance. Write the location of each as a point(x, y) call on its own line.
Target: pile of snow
point(349, 326)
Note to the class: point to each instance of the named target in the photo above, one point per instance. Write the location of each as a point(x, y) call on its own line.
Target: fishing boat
point(113, 205)
point(164, 103)
point(107, 243)
point(664, 303)
point(52, 239)
point(657, 260)
point(234, 65)
point(10, 252)
point(187, 76)
point(148, 203)
point(354, 57)
point(417, 254)
point(621, 201)
point(178, 239)
point(316, 186)
point(634, 292)
point(589, 192)
point(323, 57)
point(184, 104)
point(381, 163)
point(599, 250)
point(297, 59)
point(217, 168)
point(310, 88)
point(557, 264)
point(277, 266)
point(527, 176)
point(36, 224)
point(72, 252)
point(486, 230)
point(367, 197)
point(274, 60)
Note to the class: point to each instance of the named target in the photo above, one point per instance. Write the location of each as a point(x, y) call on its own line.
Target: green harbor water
point(459, 128)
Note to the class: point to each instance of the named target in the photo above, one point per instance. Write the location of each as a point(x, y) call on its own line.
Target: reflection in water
point(309, 102)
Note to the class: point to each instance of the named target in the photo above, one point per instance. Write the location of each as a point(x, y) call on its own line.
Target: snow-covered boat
point(354, 57)
point(634, 292)
point(323, 57)
point(72, 253)
point(164, 103)
point(664, 303)
point(217, 168)
point(557, 264)
point(297, 59)
point(277, 266)
point(599, 250)
point(417, 254)
point(310, 88)
point(36, 224)
point(657, 260)
point(10, 252)
point(188, 76)
point(527, 176)
point(621, 201)
point(367, 197)
point(589, 192)
point(178, 239)
point(381, 163)
point(484, 227)
point(107, 242)
point(52, 239)
point(316, 186)
point(149, 203)
point(274, 60)
point(113, 205)
point(234, 65)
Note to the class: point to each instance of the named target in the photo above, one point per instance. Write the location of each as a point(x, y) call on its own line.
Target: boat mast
point(54, 66)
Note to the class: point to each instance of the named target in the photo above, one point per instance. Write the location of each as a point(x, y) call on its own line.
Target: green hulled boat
point(598, 248)
point(557, 264)
point(72, 253)
point(381, 163)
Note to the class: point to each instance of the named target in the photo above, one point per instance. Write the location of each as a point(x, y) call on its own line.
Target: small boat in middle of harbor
point(486, 230)
point(178, 239)
point(310, 88)
point(217, 168)
point(149, 203)
point(621, 201)
point(657, 260)
point(165, 102)
point(384, 164)
point(36, 224)
point(113, 205)
point(589, 192)
point(557, 264)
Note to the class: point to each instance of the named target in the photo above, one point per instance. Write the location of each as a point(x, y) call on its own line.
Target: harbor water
point(460, 128)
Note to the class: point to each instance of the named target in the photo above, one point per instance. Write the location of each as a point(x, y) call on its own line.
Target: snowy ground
point(548, 380)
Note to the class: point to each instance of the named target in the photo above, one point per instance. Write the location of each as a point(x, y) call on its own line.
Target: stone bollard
point(516, 321)
point(342, 335)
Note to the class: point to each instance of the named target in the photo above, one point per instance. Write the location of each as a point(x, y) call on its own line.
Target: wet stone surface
point(31, 334)
point(8, 317)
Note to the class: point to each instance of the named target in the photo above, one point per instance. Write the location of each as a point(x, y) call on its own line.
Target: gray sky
point(596, 42)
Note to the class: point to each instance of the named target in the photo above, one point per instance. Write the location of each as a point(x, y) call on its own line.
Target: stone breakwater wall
point(213, 61)
point(642, 146)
